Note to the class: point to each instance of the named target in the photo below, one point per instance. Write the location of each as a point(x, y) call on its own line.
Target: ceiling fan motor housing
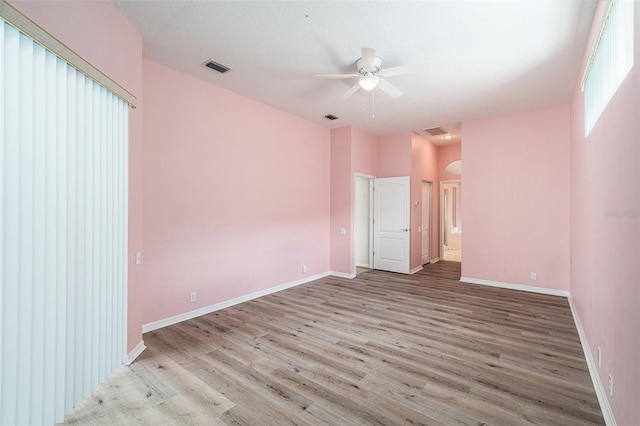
point(376, 66)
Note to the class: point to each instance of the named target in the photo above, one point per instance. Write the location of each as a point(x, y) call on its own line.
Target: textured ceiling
point(481, 57)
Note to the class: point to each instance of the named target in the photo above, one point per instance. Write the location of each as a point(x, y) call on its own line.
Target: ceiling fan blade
point(405, 69)
point(390, 89)
point(336, 75)
point(350, 92)
point(368, 57)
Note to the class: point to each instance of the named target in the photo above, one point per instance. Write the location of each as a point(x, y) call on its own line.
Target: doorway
point(425, 230)
point(381, 223)
point(451, 220)
point(363, 222)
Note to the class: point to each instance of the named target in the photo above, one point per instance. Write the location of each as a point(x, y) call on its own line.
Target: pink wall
point(352, 151)
point(399, 154)
point(424, 159)
point(364, 152)
point(447, 154)
point(394, 155)
point(236, 194)
point(409, 154)
point(341, 201)
point(605, 235)
point(515, 199)
point(103, 37)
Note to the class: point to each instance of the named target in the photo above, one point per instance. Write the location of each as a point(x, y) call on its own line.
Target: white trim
point(135, 353)
point(436, 260)
point(216, 307)
point(416, 269)
point(601, 392)
point(342, 274)
point(528, 288)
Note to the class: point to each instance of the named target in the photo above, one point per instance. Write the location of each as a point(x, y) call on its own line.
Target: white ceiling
point(482, 57)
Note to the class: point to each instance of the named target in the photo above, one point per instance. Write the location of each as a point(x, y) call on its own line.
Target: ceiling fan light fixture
point(369, 81)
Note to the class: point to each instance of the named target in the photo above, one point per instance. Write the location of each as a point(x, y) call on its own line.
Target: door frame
point(442, 207)
point(371, 180)
point(430, 210)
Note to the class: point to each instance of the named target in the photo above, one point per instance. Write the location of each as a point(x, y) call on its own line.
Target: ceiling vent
point(216, 66)
point(436, 131)
point(330, 117)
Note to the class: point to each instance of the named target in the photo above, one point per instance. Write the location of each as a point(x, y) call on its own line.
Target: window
point(610, 62)
point(63, 231)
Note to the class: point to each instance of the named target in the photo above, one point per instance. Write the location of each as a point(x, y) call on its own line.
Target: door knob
point(405, 229)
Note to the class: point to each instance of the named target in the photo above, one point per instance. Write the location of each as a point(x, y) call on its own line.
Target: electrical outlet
point(304, 269)
point(192, 298)
point(534, 276)
point(343, 231)
point(138, 258)
point(610, 384)
point(599, 357)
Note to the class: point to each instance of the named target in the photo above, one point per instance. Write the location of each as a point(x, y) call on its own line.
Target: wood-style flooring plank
point(379, 349)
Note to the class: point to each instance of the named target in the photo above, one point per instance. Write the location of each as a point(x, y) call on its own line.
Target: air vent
point(436, 131)
point(216, 66)
point(330, 117)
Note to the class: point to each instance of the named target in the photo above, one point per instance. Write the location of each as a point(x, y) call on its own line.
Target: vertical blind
point(63, 232)
point(611, 62)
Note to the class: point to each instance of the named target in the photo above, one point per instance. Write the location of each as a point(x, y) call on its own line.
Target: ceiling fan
point(371, 76)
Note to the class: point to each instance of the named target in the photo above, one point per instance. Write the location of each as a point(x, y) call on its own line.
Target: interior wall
point(341, 250)
point(364, 160)
point(605, 234)
point(236, 194)
point(101, 35)
point(516, 198)
point(447, 154)
point(352, 151)
point(394, 155)
point(424, 166)
point(399, 154)
point(364, 152)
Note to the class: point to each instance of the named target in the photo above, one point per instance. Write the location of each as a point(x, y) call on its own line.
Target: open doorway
point(363, 222)
point(451, 220)
point(425, 229)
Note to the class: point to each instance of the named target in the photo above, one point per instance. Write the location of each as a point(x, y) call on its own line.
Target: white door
point(391, 224)
point(426, 222)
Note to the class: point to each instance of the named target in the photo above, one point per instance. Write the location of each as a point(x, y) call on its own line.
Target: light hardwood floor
point(383, 348)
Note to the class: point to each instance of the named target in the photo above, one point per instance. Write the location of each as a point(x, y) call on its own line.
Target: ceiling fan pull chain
point(373, 104)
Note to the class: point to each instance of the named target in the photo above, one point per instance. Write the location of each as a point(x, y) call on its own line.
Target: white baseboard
point(436, 260)
point(530, 289)
point(131, 356)
point(216, 307)
point(342, 274)
point(363, 265)
point(416, 269)
point(601, 392)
